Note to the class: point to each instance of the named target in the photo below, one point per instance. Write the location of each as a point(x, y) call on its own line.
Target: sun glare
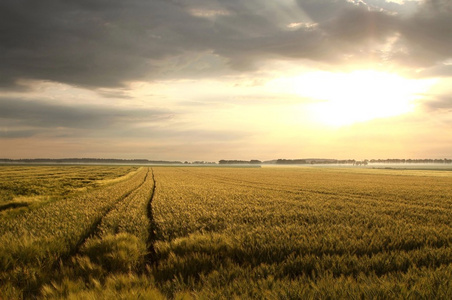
point(346, 98)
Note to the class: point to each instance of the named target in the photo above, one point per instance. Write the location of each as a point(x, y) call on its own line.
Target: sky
point(225, 79)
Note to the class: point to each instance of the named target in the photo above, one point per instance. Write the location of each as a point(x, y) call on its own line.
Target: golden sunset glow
point(211, 80)
point(346, 98)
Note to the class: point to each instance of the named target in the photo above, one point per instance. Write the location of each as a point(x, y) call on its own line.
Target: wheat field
point(102, 232)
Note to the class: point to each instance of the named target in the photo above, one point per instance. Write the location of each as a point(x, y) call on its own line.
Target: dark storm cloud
point(324, 10)
point(21, 118)
point(14, 134)
point(38, 114)
point(89, 43)
point(427, 35)
point(357, 25)
point(99, 43)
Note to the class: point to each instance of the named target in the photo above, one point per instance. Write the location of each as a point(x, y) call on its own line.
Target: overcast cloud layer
point(96, 43)
point(106, 46)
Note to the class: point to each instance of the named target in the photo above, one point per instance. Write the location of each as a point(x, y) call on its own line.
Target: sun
point(340, 99)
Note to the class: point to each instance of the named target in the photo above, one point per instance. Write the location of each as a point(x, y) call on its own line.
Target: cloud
point(13, 134)
point(437, 103)
point(425, 37)
point(47, 116)
point(89, 43)
point(21, 118)
point(438, 70)
point(97, 43)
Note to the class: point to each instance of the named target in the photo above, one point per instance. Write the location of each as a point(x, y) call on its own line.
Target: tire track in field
point(151, 257)
point(95, 225)
point(72, 249)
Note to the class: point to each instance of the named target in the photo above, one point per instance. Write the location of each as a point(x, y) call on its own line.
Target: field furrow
point(34, 241)
point(122, 244)
point(151, 257)
point(120, 237)
point(121, 216)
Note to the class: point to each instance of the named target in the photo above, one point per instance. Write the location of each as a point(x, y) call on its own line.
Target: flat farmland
point(29, 186)
point(222, 233)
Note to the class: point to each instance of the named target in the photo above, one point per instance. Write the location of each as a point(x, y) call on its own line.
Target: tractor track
point(151, 257)
point(93, 229)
